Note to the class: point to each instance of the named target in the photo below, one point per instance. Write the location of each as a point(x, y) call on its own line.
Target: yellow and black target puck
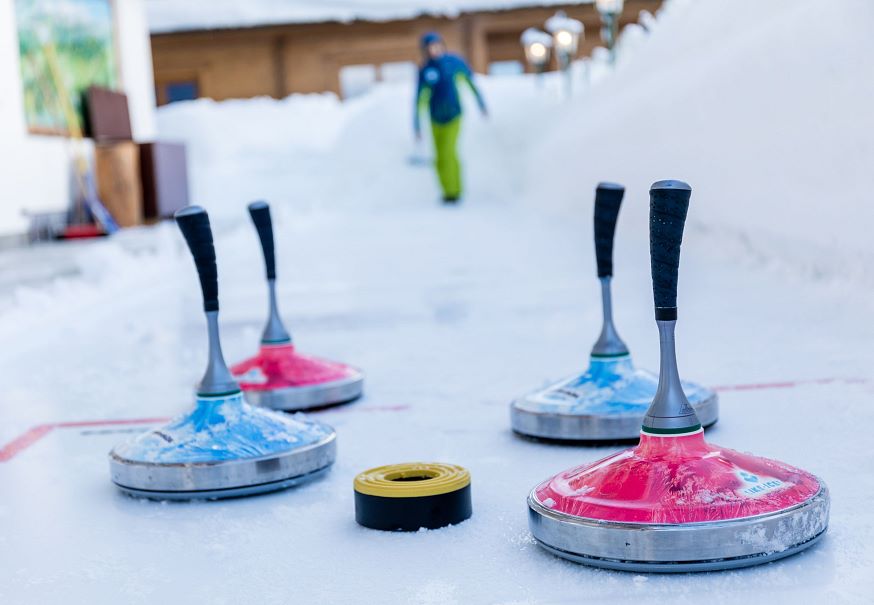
point(407, 497)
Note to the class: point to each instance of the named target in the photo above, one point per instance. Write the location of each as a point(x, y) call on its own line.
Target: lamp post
point(610, 10)
point(566, 34)
point(538, 46)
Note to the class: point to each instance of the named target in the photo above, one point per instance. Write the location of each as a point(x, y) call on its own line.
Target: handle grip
point(193, 221)
point(260, 213)
point(608, 199)
point(668, 205)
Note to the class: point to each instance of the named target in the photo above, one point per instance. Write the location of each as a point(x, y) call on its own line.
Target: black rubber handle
point(260, 213)
point(608, 198)
point(668, 205)
point(193, 221)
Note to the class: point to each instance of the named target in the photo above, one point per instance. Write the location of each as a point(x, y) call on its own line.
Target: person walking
point(440, 77)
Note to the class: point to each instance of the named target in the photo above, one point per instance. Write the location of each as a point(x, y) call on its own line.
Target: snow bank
point(314, 151)
point(231, 143)
point(764, 108)
point(261, 125)
point(178, 15)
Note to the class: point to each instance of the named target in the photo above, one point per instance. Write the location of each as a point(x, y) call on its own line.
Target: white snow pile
point(763, 107)
point(313, 151)
point(183, 15)
point(230, 144)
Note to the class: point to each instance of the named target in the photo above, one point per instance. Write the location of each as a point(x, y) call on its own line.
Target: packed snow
point(185, 15)
point(764, 108)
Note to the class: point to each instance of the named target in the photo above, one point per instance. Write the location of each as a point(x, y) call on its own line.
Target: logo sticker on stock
point(754, 486)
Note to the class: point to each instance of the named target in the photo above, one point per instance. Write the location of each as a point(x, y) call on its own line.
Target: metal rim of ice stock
point(681, 547)
point(590, 427)
point(305, 397)
point(222, 479)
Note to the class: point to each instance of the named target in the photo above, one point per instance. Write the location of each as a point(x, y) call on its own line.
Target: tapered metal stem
point(564, 65)
point(670, 411)
point(217, 380)
point(274, 331)
point(609, 343)
point(610, 33)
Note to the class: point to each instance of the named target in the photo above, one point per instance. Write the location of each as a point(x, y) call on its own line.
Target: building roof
point(189, 15)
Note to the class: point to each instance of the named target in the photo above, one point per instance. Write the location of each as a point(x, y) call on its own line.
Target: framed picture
point(80, 34)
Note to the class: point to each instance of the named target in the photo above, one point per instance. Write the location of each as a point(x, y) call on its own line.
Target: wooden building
point(277, 60)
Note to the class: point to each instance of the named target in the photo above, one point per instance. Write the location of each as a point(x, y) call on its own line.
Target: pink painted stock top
point(676, 479)
point(280, 366)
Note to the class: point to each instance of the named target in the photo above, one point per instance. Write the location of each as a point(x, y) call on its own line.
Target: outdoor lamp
point(566, 34)
point(609, 6)
point(610, 11)
point(537, 45)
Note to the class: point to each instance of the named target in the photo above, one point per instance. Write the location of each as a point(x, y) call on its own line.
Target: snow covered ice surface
point(453, 312)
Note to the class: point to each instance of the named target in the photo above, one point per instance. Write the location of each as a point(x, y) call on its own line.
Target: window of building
point(506, 68)
point(399, 71)
point(180, 91)
point(356, 80)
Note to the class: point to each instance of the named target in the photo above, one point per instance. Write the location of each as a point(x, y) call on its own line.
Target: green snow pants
point(447, 164)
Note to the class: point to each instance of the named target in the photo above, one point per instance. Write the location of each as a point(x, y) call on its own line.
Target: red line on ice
point(371, 408)
point(90, 423)
point(22, 442)
point(34, 434)
point(789, 384)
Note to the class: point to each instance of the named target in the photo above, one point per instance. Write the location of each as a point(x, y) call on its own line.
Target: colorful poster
point(80, 32)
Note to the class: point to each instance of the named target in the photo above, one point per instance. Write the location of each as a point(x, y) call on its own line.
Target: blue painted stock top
point(611, 386)
point(220, 429)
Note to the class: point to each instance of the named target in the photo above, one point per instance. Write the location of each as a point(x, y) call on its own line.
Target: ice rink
point(448, 334)
point(452, 312)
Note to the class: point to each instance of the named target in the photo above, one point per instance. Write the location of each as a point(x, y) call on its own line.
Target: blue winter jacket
point(438, 88)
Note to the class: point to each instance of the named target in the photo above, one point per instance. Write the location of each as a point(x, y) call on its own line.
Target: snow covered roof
point(187, 15)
